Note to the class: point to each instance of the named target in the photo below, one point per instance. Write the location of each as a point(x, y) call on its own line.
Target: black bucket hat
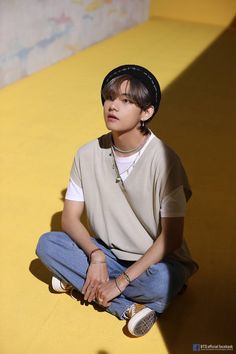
point(141, 74)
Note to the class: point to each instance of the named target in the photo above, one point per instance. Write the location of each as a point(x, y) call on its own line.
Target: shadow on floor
point(38, 270)
point(197, 118)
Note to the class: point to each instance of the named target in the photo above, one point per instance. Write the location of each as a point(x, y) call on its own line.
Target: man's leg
point(69, 263)
point(157, 286)
point(63, 257)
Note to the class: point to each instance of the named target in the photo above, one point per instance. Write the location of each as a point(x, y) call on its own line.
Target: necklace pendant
point(118, 179)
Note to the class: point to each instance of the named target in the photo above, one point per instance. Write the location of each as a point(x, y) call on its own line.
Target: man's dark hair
point(138, 94)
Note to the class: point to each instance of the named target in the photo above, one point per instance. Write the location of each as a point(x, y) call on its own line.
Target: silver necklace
point(126, 151)
point(118, 173)
point(139, 147)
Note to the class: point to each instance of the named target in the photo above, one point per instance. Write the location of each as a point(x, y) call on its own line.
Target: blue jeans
point(155, 288)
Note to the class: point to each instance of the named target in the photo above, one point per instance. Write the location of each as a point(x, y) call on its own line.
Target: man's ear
point(147, 113)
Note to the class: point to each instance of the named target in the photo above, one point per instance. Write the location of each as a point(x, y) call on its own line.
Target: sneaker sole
point(142, 322)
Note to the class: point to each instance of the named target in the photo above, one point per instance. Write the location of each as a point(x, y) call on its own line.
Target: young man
point(135, 191)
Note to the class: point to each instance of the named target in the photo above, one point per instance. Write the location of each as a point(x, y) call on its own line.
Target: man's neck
point(127, 142)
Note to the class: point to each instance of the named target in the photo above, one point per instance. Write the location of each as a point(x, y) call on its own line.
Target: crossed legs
point(155, 288)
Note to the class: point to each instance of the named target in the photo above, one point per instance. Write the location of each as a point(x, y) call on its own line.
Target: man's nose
point(113, 106)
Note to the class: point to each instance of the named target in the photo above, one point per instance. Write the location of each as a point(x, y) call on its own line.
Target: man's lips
point(111, 116)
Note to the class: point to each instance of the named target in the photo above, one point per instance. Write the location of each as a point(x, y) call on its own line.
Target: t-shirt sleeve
point(75, 174)
point(75, 187)
point(74, 192)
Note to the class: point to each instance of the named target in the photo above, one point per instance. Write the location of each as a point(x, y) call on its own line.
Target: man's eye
point(126, 100)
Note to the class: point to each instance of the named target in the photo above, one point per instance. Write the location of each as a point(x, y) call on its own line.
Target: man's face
point(121, 114)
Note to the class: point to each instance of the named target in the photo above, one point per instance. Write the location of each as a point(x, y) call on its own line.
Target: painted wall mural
point(37, 33)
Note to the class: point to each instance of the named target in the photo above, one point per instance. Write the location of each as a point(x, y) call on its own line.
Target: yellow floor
point(46, 117)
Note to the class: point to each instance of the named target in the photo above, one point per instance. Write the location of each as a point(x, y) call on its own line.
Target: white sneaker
point(141, 320)
point(60, 286)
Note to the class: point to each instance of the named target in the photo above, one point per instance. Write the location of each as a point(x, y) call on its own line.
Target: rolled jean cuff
point(119, 307)
point(157, 306)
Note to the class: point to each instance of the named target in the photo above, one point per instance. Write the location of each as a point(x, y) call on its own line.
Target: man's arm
point(168, 241)
point(72, 225)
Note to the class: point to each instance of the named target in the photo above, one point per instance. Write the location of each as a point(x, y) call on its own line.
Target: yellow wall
point(218, 12)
